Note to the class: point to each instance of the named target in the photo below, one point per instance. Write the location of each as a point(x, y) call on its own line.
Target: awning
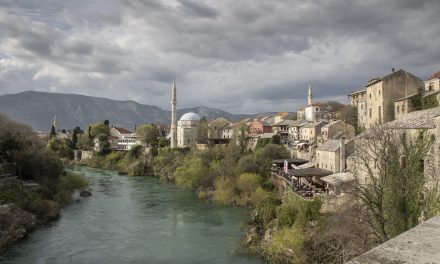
point(339, 178)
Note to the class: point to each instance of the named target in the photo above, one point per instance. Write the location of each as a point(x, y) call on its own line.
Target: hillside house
point(336, 130)
point(310, 131)
point(259, 127)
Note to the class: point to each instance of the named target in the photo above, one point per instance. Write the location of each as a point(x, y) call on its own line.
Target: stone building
point(381, 93)
point(215, 128)
point(359, 100)
point(310, 131)
point(259, 127)
point(410, 128)
point(336, 130)
point(404, 105)
point(227, 131)
point(282, 128)
point(294, 129)
point(188, 130)
point(330, 157)
point(414, 123)
point(281, 116)
point(433, 83)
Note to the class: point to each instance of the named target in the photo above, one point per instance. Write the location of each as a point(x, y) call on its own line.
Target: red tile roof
point(122, 130)
point(435, 75)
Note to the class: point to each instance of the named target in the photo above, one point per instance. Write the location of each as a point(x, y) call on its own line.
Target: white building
point(313, 110)
point(187, 130)
point(125, 139)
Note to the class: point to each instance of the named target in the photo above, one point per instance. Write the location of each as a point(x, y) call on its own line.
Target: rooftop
point(311, 125)
point(285, 123)
point(418, 245)
point(358, 91)
point(296, 123)
point(190, 117)
point(339, 178)
point(309, 172)
point(406, 97)
point(424, 119)
point(331, 145)
point(332, 123)
point(122, 130)
point(435, 75)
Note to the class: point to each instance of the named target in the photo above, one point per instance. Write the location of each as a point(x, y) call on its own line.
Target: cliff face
point(15, 223)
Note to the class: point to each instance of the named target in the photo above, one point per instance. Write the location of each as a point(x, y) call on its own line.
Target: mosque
point(185, 132)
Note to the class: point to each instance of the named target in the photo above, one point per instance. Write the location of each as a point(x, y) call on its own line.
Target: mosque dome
point(190, 117)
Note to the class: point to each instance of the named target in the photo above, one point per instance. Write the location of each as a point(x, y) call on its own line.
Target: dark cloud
point(241, 56)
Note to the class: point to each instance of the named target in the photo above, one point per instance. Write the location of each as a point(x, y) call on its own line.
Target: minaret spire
point(310, 96)
point(55, 122)
point(173, 116)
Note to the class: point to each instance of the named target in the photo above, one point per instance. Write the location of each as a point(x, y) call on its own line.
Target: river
point(135, 220)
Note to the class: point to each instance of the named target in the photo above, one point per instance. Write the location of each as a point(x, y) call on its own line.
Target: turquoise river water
point(136, 220)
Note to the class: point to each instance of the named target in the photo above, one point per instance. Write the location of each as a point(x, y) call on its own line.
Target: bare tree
point(389, 171)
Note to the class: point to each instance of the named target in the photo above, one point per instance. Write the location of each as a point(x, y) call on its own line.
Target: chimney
point(342, 155)
point(393, 70)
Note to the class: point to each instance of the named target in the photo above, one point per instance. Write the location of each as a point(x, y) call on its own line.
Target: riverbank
point(283, 230)
point(136, 220)
point(24, 207)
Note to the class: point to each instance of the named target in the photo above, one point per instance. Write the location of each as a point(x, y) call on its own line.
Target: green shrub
point(224, 191)
point(286, 215)
point(190, 173)
point(247, 184)
point(66, 185)
point(286, 246)
point(265, 203)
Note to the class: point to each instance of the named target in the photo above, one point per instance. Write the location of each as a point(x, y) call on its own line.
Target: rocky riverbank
point(16, 223)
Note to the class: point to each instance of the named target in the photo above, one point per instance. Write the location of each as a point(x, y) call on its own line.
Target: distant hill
point(38, 109)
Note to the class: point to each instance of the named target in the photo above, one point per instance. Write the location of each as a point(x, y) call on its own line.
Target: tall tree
point(53, 133)
point(149, 134)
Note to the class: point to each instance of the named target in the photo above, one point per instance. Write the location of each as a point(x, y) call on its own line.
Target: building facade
point(311, 131)
point(188, 130)
point(359, 100)
point(433, 83)
point(383, 92)
point(259, 127)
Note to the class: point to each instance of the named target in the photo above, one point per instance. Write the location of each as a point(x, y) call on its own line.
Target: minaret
point(173, 117)
point(310, 97)
point(55, 123)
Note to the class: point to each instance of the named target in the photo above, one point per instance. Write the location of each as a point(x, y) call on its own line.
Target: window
point(422, 165)
point(379, 92)
point(370, 112)
point(362, 107)
point(370, 96)
point(398, 109)
point(380, 113)
point(403, 108)
point(317, 109)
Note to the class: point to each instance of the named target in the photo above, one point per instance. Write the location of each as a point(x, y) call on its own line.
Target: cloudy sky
point(236, 55)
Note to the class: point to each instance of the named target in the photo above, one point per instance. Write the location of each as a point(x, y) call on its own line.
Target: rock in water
point(85, 193)
point(15, 223)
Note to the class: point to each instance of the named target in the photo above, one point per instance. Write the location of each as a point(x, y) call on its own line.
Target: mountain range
point(38, 109)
